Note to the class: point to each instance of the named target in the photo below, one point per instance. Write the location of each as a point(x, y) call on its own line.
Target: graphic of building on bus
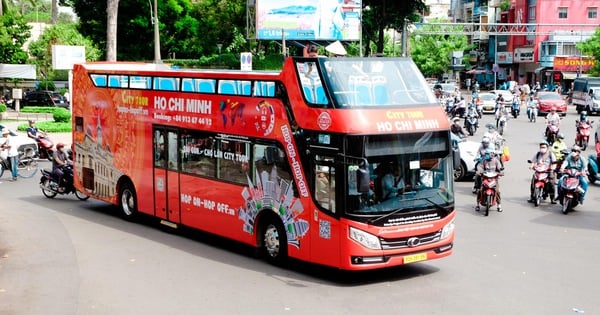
point(96, 161)
point(276, 196)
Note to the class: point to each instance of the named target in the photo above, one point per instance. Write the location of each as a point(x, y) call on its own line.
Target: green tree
point(14, 32)
point(591, 47)
point(431, 53)
point(59, 34)
point(381, 15)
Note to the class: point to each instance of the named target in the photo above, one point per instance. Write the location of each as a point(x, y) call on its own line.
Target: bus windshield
point(354, 82)
point(408, 172)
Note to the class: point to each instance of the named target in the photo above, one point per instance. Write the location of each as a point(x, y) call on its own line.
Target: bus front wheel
point(128, 201)
point(273, 242)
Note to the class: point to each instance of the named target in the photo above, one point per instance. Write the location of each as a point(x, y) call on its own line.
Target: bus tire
point(273, 240)
point(128, 201)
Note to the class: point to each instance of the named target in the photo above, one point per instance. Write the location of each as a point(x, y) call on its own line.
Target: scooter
point(532, 113)
point(583, 133)
point(552, 132)
point(471, 121)
point(45, 147)
point(541, 178)
point(487, 193)
point(569, 190)
point(515, 109)
point(593, 166)
point(51, 187)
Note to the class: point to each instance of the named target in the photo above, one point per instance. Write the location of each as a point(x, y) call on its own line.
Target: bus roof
point(120, 67)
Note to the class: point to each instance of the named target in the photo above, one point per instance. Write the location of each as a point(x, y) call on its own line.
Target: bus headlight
point(447, 230)
point(365, 239)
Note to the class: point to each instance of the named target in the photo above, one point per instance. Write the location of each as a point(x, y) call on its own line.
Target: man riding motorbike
point(483, 148)
point(33, 132)
point(582, 122)
point(575, 161)
point(60, 161)
point(546, 157)
point(551, 119)
point(490, 162)
point(457, 129)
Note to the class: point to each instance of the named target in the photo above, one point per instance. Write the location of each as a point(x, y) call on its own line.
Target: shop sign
point(523, 55)
point(573, 63)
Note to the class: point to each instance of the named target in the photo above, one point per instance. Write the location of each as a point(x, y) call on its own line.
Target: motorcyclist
point(577, 162)
point(483, 148)
point(531, 106)
point(546, 157)
point(457, 129)
point(552, 119)
point(490, 162)
point(60, 160)
point(558, 146)
point(582, 118)
point(33, 132)
point(461, 107)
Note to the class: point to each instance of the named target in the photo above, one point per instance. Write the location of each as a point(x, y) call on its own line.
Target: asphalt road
point(65, 256)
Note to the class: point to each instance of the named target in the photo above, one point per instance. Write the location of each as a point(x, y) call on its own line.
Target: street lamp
point(219, 46)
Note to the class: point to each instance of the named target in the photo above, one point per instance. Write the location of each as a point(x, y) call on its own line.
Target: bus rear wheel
point(273, 241)
point(128, 201)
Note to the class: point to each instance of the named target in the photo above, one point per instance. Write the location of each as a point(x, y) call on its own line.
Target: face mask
point(543, 150)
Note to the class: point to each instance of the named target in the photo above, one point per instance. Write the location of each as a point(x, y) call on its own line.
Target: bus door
point(166, 174)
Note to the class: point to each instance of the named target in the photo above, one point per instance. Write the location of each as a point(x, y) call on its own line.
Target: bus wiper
point(387, 215)
point(399, 210)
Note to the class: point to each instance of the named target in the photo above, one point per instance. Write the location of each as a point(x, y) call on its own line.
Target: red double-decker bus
point(343, 162)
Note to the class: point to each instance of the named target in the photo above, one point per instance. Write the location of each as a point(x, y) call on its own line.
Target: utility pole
point(157, 58)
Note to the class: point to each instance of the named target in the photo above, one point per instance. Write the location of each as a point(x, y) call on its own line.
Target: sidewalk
point(14, 119)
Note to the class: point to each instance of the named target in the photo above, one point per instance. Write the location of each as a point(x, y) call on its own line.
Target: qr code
point(325, 229)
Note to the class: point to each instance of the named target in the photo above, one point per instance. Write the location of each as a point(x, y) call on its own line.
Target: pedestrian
point(13, 153)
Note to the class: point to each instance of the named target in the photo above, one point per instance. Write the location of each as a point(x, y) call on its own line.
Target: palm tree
point(112, 8)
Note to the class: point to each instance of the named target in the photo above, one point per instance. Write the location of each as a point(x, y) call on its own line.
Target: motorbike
point(532, 113)
point(471, 121)
point(479, 108)
point(515, 110)
point(541, 178)
point(552, 132)
point(45, 147)
point(487, 193)
point(593, 166)
point(569, 190)
point(51, 187)
point(583, 134)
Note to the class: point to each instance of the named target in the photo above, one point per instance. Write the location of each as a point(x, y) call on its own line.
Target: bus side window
point(270, 163)
point(198, 154)
point(325, 186)
point(233, 160)
point(159, 149)
point(99, 80)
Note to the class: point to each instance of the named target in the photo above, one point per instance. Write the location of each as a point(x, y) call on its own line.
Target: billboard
point(64, 57)
point(308, 19)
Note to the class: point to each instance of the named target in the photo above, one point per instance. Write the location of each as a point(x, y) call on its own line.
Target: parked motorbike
point(45, 147)
point(51, 187)
point(593, 167)
point(515, 110)
point(487, 193)
point(583, 133)
point(471, 121)
point(569, 190)
point(541, 179)
point(552, 132)
point(532, 113)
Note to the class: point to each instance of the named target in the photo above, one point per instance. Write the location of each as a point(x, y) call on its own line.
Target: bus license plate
point(414, 258)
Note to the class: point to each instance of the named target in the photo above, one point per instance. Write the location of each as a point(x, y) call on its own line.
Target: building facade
point(548, 54)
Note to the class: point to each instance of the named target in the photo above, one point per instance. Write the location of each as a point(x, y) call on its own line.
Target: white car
point(506, 94)
point(488, 102)
point(23, 141)
point(468, 154)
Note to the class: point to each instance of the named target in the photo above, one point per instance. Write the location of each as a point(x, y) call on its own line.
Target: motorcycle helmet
point(485, 141)
point(60, 145)
point(576, 148)
point(489, 153)
point(583, 116)
point(560, 136)
point(545, 143)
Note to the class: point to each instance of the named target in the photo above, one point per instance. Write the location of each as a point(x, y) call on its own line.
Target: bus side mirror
point(363, 178)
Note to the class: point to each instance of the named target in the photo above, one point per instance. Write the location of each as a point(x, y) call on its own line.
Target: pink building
point(561, 24)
